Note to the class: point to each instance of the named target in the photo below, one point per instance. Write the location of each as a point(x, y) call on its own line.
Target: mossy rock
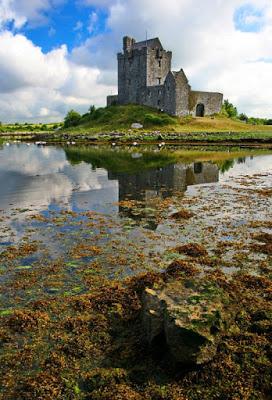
point(187, 318)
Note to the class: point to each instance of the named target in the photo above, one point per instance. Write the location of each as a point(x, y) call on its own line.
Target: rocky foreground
point(174, 335)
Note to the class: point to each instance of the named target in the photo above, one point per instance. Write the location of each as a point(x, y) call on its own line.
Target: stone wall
point(169, 95)
point(140, 68)
point(132, 73)
point(153, 96)
point(212, 102)
point(158, 66)
point(112, 100)
point(182, 94)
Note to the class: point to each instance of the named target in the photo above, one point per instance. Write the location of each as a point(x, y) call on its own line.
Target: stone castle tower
point(145, 77)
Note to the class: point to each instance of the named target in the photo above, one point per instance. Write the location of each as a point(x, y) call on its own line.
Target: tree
point(229, 109)
point(92, 109)
point(243, 117)
point(72, 119)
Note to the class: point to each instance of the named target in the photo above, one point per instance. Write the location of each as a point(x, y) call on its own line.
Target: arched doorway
point(200, 110)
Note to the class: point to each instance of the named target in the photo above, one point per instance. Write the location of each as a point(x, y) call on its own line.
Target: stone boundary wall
point(112, 100)
point(211, 101)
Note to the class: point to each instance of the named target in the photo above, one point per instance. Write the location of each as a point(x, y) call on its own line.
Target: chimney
point(128, 42)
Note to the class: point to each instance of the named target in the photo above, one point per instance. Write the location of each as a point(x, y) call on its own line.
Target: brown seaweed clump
point(182, 214)
point(266, 246)
point(192, 250)
point(26, 320)
point(181, 267)
point(92, 346)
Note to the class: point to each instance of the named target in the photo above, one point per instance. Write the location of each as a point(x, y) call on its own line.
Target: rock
point(188, 317)
point(136, 125)
point(136, 156)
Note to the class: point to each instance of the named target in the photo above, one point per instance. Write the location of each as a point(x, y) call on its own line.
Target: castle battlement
point(145, 77)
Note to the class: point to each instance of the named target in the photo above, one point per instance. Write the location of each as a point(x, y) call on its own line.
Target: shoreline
point(153, 138)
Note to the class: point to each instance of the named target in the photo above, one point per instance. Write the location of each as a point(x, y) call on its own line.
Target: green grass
point(119, 119)
point(29, 127)
point(116, 118)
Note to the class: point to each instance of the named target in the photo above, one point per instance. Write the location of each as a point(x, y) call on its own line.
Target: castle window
point(159, 92)
point(159, 81)
point(129, 81)
point(159, 102)
point(159, 63)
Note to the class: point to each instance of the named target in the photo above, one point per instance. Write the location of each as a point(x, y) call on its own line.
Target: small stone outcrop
point(136, 125)
point(188, 318)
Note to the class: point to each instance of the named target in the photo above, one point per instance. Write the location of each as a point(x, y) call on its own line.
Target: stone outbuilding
point(145, 78)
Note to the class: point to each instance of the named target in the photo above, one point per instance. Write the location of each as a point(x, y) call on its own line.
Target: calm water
point(106, 210)
point(37, 179)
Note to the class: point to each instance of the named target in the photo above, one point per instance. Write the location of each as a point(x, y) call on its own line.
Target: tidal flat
point(85, 230)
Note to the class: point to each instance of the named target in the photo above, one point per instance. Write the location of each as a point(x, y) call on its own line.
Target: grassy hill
point(120, 118)
point(105, 124)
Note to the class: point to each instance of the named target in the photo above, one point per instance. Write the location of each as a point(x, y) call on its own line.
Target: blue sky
point(68, 23)
point(61, 54)
point(249, 18)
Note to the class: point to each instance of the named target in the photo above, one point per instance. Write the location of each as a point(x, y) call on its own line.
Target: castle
point(145, 77)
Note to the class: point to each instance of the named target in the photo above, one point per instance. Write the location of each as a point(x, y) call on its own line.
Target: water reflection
point(37, 178)
point(163, 182)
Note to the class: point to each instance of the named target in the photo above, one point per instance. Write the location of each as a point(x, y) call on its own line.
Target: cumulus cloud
point(215, 53)
point(19, 12)
point(218, 50)
point(39, 86)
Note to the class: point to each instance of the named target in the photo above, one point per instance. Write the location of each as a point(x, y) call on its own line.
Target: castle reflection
point(163, 182)
point(160, 183)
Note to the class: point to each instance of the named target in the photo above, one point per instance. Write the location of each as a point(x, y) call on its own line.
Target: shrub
point(229, 109)
point(243, 117)
point(152, 119)
point(72, 119)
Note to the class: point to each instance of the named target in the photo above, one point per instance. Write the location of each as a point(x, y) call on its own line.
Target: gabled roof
point(150, 43)
point(180, 73)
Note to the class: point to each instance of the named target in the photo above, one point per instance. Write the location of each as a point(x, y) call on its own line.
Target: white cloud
point(202, 36)
point(39, 86)
point(22, 11)
point(78, 26)
point(204, 42)
point(93, 22)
